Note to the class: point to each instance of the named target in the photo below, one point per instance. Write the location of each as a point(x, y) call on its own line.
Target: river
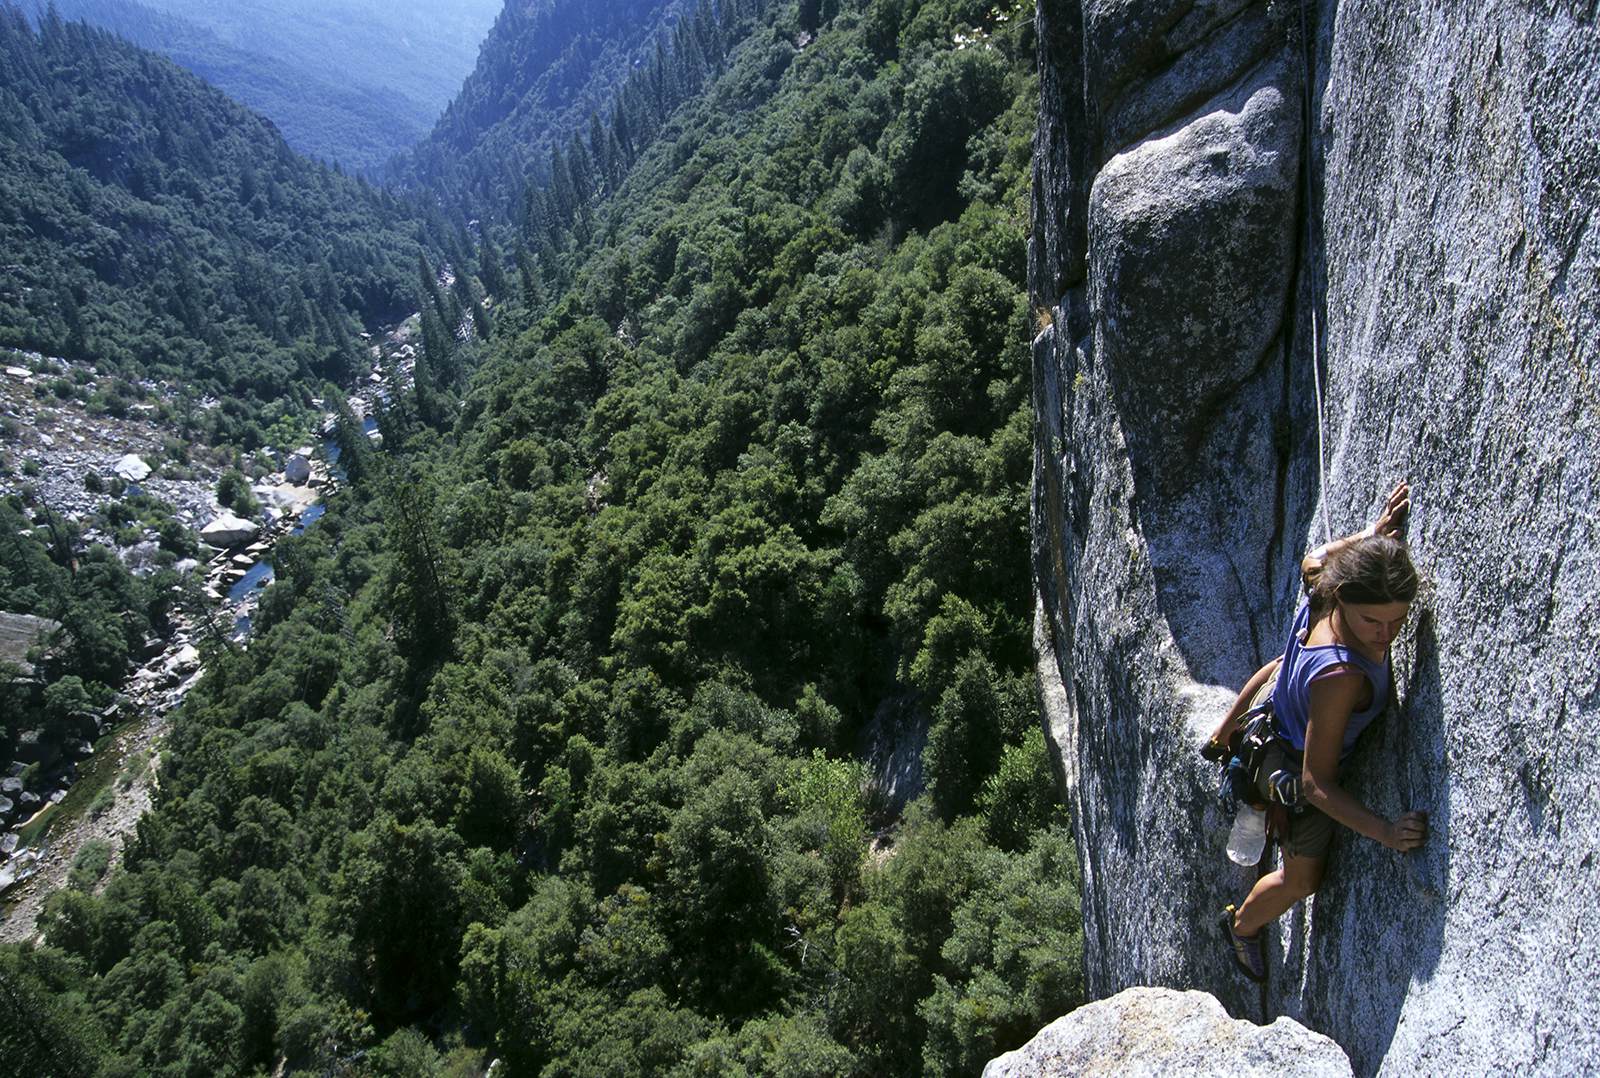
point(260, 574)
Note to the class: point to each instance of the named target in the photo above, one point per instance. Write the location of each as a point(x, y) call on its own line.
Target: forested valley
point(164, 232)
point(348, 81)
point(568, 737)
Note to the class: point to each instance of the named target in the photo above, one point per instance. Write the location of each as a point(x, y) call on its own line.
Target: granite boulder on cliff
point(1231, 195)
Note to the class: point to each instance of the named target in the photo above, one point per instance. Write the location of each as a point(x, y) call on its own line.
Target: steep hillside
point(580, 732)
point(155, 227)
point(548, 72)
point(349, 81)
point(1229, 198)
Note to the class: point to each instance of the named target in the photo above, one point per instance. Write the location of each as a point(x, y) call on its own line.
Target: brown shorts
point(1310, 830)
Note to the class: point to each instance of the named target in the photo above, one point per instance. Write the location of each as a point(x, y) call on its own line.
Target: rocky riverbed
point(69, 458)
point(65, 450)
point(29, 874)
point(34, 874)
point(53, 440)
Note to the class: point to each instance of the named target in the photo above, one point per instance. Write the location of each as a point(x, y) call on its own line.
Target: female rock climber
point(1331, 681)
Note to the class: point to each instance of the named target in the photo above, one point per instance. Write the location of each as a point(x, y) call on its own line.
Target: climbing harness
point(1244, 758)
point(1246, 751)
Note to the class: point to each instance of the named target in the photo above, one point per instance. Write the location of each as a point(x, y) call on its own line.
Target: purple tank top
point(1291, 696)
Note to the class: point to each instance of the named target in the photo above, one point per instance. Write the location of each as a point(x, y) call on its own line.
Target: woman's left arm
point(1333, 698)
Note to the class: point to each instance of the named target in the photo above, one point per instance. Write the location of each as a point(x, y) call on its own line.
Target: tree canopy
point(551, 744)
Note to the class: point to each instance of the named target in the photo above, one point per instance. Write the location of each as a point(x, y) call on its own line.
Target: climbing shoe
point(1246, 949)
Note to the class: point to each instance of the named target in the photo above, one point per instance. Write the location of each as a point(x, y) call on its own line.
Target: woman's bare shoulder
point(1339, 670)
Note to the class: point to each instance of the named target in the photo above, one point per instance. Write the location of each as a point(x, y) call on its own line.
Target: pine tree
point(810, 15)
point(469, 299)
point(581, 169)
point(418, 599)
point(659, 79)
point(430, 283)
point(491, 271)
point(532, 290)
point(600, 144)
point(438, 353)
point(76, 341)
point(707, 36)
point(563, 198)
point(624, 118)
point(481, 323)
point(618, 166)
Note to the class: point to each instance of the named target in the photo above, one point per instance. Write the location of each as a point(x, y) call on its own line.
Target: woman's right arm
point(1333, 698)
point(1391, 521)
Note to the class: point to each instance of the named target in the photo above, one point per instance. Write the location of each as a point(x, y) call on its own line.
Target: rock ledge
point(1163, 1031)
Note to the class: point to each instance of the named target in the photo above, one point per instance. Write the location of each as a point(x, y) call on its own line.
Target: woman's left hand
point(1407, 831)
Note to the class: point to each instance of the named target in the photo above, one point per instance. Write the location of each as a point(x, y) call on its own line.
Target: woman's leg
point(1249, 696)
point(1277, 891)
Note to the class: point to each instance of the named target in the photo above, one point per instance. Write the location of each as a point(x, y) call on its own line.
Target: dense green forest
point(157, 228)
point(551, 72)
point(348, 81)
point(548, 746)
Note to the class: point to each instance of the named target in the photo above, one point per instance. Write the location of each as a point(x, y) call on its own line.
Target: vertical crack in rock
point(1426, 180)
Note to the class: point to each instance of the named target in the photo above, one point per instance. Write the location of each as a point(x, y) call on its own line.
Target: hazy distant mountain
point(153, 224)
point(545, 70)
point(352, 81)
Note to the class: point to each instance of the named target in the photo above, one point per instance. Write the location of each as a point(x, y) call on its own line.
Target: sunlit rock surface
point(1159, 1031)
point(132, 468)
point(1216, 182)
point(229, 531)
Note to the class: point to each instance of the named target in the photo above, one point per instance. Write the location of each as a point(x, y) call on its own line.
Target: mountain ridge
point(381, 101)
point(541, 81)
point(178, 201)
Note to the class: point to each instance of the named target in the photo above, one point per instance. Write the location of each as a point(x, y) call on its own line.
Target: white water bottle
point(1248, 837)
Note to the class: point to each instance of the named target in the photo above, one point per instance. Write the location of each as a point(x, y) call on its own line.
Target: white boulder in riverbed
point(284, 499)
point(228, 531)
point(132, 468)
point(297, 469)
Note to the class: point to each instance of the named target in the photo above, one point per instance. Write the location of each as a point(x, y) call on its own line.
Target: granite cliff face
point(1228, 192)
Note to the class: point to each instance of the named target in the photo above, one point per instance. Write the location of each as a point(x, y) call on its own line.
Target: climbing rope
point(1322, 467)
point(1311, 247)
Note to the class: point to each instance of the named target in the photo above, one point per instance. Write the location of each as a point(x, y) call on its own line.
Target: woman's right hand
point(1392, 521)
point(1406, 832)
